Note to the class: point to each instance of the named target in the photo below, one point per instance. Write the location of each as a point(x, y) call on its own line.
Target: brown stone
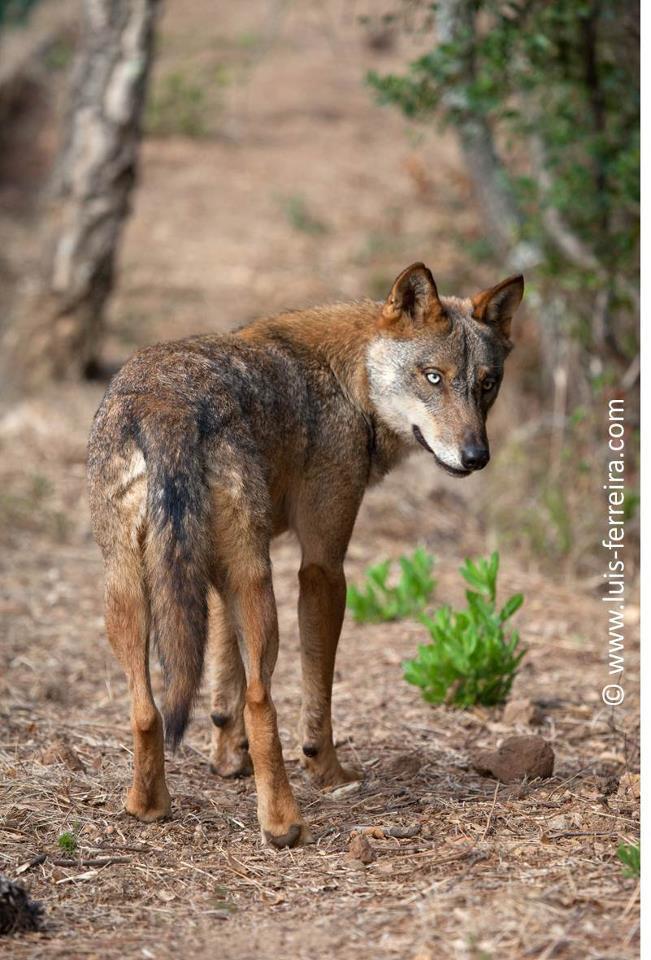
point(360, 849)
point(523, 712)
point(518, 758)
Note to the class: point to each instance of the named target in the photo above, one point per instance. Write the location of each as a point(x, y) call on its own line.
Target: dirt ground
point(299, 189)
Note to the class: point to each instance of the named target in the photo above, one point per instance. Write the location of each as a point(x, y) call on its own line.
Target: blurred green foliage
point(177, 106)
point(379, 601)
point(13, 12)
point(554, 88)
point(300, 217)
point(629, 856)
point(29, 505)
point(558, 84)
point(68, 841)
point(469, 660)
point(187, 102)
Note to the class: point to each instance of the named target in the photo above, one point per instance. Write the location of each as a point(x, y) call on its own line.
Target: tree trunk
point(455, 25)
point(58, 327)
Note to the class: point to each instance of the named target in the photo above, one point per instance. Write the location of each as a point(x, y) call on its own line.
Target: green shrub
point(68, 842)
point(469, 659)
point(377, 601)
point(629, 854)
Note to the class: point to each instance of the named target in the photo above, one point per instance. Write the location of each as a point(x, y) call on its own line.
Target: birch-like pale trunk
point(58, 326)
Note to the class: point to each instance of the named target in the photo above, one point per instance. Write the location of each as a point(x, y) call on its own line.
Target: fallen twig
point(87, 861)
point(490, 812)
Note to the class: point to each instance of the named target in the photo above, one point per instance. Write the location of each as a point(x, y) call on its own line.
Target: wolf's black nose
point(474, 456)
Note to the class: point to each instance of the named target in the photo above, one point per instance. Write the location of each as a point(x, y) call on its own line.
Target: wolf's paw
point(232, 766)
point(338, 778)
point(298, 835)
point(148, 807)
point(329, 774)
point(229, 757)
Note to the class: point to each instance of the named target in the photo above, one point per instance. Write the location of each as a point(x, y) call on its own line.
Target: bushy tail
point(176, 563)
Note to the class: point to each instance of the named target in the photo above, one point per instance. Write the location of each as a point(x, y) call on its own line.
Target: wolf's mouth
point(451, 470)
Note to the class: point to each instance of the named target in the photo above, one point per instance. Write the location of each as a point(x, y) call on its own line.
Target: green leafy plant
point(378, 601)
point(470, 660)
point(68, 841)
point(629, 855)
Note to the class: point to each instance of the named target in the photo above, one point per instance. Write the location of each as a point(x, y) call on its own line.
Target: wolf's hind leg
point(229, 751)
point(127, 626)
point(254, 611)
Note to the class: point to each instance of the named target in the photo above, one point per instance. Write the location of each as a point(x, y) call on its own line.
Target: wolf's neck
point(336, 335)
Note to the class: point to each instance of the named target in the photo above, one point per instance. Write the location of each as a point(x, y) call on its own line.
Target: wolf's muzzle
point(448, 469)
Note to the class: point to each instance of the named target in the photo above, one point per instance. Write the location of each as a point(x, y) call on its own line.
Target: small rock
point(344, 791)
point(518, 758)
point(523, 712)
point(559, 823)
point(360, 849)
point(60, 751)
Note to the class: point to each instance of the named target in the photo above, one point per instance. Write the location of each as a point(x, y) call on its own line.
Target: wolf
point(206, 448)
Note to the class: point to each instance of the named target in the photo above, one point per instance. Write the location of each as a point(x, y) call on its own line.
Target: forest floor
point(295, 188)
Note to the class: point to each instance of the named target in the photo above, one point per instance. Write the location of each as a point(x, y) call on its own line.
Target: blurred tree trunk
point(455, 25)
point(57, 328)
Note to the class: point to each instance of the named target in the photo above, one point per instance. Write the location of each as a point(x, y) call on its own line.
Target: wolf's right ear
point(414, 296)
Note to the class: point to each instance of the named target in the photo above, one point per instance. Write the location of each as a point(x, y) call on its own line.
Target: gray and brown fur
point(204, 449)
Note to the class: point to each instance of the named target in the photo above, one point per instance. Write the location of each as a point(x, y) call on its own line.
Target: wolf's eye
point(487, 384)
point(433, 377)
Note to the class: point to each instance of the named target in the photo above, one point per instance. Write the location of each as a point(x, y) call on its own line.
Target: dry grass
point(471, 871)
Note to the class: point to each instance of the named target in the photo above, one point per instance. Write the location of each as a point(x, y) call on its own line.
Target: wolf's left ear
point(414, 296)
point(497, 305)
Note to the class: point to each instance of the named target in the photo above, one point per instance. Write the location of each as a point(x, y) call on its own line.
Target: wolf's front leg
point(321, 607)
point(229, 750)
point(254, 610)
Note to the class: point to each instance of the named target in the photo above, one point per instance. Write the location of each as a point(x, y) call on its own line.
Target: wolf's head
point(436, 365)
